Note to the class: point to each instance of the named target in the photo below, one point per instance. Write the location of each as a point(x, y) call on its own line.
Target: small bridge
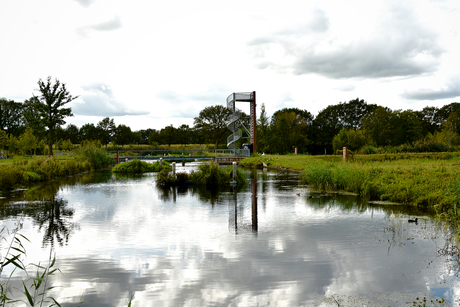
point(221, 156)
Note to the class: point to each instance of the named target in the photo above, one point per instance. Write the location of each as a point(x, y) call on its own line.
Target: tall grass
point(414, 182)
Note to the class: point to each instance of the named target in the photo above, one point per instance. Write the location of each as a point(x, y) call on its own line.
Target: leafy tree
point(378, 126)
point(167, 135)
point(51, 109)
point(31, 117)
point(144, 135)
point(106, 129)
point(288, 131)
point(154, 137)
point(406, 127)
point(332, 119)
point(212, 121)
point(73, 134)
point(10, 116)
point(183, 134)
point(3, 139)
point(263, 126)
point(28, 141)
point(350, 138)
point(89, 132)
point(13, 144)
point(123, 135)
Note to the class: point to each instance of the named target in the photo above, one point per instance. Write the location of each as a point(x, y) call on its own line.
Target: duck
point(413, 221)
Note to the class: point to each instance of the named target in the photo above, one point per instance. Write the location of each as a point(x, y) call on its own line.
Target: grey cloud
point(451, 90)
point(99, 100)
point(401, 46)
point(85, 3)
point(108, 25)
point(346, 88)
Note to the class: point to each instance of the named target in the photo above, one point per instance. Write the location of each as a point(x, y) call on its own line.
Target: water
point(263, 245)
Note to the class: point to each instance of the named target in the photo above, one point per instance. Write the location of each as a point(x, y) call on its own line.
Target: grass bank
point(23, 170)
point(425, 179)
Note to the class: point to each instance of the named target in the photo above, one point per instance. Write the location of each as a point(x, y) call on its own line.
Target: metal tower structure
point(237, 123)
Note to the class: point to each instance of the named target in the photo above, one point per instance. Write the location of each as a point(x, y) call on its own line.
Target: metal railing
point(234, 137)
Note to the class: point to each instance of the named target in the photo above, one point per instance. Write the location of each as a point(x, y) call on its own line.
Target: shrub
point(10, 177)
point(97, 157)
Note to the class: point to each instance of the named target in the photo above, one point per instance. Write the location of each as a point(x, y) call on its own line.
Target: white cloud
point(98, 99)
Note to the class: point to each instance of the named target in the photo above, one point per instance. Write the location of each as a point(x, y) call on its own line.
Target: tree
point(72, 133)
point(167, 135)
point(183, 134)
point(31, 117)
point(89, 132)
point(154, 137)
point(378, 126)
point(51, 109)
point(263, 125)
point(10, 116)
point(28, 141)
point(288, 132)
point(3, 139)
point(123, 135)
point(106, 129)
point(212, 121)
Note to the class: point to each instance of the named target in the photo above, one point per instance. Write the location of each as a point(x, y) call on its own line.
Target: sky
point(150, 64)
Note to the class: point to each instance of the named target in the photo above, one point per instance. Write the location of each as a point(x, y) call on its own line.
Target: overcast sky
point(149, 64)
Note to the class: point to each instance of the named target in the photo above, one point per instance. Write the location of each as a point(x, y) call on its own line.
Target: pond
point(273, 242)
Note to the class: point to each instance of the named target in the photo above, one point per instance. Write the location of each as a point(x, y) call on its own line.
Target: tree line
point(356, 124)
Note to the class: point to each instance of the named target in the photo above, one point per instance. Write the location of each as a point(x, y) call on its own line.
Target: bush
point(97, 157)
point(10, 177)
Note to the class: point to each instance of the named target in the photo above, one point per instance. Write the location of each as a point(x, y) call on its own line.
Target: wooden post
point(118, 157)
point(296, 151)
point(234, 171)
point(161, 162)
point(174, 169)
point(345, 154)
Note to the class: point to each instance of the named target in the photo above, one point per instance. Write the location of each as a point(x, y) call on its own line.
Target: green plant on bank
point(97, 157)
point(210, 174)
point(138, 167)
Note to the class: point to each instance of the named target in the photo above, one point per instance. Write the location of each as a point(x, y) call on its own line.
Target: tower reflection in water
point(240, 227)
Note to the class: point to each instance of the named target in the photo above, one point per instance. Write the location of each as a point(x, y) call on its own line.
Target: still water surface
point(263, 245)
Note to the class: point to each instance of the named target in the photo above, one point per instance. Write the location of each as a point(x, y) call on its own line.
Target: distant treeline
point(355, 124)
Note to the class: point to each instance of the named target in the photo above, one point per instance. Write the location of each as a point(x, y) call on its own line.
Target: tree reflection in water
point(53, 216)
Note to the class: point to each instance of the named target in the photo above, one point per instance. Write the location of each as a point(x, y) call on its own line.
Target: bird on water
point(413, 221)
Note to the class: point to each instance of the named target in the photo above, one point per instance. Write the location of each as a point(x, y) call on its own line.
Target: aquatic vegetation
point(138, 167)
point(210, 174)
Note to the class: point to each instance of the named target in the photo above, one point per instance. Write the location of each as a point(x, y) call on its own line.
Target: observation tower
point(238, 123)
